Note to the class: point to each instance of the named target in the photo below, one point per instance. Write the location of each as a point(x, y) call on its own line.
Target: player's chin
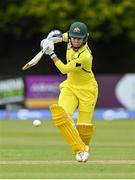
point(76, 46)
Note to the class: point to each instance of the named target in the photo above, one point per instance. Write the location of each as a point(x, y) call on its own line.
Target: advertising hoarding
point(115, 91)
point(11, 90)
point(41, 91)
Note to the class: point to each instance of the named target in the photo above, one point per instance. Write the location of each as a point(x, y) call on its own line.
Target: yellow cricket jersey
point(78, 67)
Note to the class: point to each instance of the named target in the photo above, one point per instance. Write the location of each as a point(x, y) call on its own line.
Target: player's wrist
point(52, 55)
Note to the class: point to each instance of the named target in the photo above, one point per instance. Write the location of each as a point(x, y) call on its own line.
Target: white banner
point(125, 91)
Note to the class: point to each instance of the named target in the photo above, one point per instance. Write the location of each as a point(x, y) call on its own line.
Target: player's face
point(76, 42)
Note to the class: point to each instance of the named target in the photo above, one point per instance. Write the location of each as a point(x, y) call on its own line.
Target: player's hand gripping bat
point(55, 36)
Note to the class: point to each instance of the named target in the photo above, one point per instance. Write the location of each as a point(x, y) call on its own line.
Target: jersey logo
point(76, 30)
point(78, 64)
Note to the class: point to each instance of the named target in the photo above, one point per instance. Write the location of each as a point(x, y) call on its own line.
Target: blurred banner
point(11, 90)
point(42, 91)
point(115, 91)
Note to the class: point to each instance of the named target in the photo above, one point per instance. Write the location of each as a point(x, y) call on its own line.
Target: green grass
point(27, 152)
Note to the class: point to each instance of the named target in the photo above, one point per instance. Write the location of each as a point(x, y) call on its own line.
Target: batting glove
point(49, 50)
point(56, 36)
point(44, 44)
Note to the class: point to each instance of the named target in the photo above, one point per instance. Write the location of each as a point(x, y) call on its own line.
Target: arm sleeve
point(71, 66)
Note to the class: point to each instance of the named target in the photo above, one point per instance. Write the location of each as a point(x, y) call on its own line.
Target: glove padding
point(56, 36)
point(47, 46)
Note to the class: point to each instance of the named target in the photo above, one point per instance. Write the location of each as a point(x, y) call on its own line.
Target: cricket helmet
point(78, 30)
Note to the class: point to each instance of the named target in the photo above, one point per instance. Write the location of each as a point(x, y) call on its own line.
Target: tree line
point(23, 23)
point(104, 18)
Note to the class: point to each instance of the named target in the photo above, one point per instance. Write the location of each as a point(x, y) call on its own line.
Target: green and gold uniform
point(78, 91)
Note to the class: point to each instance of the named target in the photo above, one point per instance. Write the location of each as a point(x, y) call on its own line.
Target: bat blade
point(33, 61)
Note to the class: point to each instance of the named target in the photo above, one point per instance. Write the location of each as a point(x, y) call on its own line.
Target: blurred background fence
point(30, 97)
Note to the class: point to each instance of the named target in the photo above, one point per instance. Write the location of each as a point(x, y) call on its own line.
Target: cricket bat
point(33, 61)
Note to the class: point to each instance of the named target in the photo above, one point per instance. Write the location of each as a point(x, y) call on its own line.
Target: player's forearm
point(55, 59)
point(58, 64)
point(63, 68)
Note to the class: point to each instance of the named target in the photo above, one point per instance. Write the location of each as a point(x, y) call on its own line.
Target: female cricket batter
point(78, 91)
